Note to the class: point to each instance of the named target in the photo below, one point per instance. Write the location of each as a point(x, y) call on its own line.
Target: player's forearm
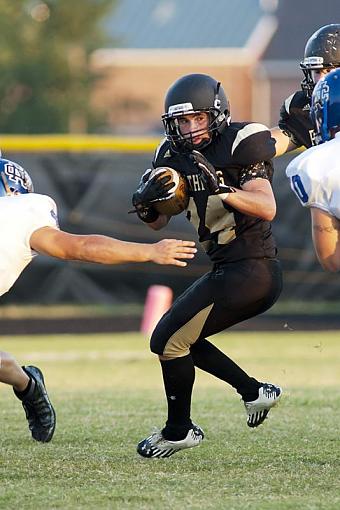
point(329, 261)
point(253, 203)
point(327, 247)
point(105, 250)
point(325, 234)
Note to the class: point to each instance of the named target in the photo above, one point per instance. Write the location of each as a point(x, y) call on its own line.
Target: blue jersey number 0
point(299, 189)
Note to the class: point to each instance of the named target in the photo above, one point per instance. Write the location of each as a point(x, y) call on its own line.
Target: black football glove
point(155, 188)
point(208, 173)
point(150, 191)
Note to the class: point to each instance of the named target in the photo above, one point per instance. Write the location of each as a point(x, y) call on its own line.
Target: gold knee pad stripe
point(179, 343)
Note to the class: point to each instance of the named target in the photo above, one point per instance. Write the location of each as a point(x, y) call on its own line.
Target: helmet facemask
point(186, 141)
point(308, 65)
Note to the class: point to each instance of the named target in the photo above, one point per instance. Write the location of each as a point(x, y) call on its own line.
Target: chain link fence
point(93, 193)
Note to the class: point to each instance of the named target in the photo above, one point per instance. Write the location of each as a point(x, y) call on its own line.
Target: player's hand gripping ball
point(178, 198)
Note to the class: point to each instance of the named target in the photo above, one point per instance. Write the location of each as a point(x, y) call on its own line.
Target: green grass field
point(108, 395)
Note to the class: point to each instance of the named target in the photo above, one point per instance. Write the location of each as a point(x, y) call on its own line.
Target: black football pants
point(230, 293)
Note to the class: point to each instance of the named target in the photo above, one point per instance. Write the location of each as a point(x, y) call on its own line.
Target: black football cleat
point(38, 408)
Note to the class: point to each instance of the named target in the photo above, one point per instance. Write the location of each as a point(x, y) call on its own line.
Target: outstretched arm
point(326, 239)
point(107, 250)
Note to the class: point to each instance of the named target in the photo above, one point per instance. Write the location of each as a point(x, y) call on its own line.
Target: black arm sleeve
point(261, 170)
point(295, 121)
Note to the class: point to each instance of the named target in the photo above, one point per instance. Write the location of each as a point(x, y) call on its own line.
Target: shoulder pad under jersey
point(162, 153)
point(252, 143)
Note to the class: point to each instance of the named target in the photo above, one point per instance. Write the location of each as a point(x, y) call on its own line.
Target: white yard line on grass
point(88, 355)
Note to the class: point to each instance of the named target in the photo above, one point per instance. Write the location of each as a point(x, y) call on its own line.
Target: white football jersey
point(315, 176)
point(20, 216)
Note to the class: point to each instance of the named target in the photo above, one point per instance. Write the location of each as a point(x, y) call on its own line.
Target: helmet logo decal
point(331, 43)
point(322, 92)
point(217, 103)
point(313, 61)
point(325, 110)
point(181, 108)
point(14, 179)
point(16, 174)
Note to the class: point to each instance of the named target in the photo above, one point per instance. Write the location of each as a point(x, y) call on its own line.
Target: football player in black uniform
point(228, 169)
point(322, 54)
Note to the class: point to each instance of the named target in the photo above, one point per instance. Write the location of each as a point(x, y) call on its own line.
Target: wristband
point(147, 214)
point(223, 196)
point(226, 193)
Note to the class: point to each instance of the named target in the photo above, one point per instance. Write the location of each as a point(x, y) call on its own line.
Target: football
point(180, 199)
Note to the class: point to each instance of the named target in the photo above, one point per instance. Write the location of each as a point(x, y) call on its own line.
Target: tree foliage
point(44, 76)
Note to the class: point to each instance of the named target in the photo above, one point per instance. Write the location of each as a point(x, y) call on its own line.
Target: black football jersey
point(241, 152)
point(295, 120)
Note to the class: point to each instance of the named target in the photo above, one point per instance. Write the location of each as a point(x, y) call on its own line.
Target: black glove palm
point(208, 173)
point(156, 188)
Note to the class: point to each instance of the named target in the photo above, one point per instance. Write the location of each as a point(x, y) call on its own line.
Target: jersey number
point(217, 219)
point(299, 189)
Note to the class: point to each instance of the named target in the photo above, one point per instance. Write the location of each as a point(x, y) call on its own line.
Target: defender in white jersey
point(33, 229)
point(315, 174)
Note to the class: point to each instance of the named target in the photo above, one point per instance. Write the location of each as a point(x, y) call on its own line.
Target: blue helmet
point(14, 179)
point(325, 110)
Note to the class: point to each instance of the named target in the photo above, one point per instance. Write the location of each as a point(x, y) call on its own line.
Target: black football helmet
point(194, 93)
point(322, 51)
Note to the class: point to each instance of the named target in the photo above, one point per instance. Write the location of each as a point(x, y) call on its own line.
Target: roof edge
point(262, 34)
point(162, 57)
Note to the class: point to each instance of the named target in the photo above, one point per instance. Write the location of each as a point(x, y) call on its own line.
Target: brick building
point(252, 46)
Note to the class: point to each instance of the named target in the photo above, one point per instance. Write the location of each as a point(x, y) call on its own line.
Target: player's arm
point(289, 134)
point(256, 198)
point(283, 143)
point(326, 239)
point(106, 250)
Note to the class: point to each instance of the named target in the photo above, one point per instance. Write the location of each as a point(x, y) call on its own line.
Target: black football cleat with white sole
point(257, 410)
point(38, 408)
point(156, 446)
